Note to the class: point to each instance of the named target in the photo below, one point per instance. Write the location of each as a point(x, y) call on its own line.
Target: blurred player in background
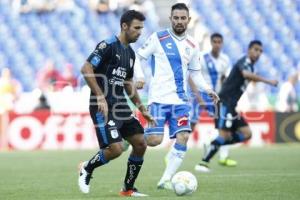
point(215, 66)
point(232, 127)
point(173, 54)
point(108, 71)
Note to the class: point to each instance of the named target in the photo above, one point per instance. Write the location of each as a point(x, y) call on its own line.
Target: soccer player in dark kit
point(108, 71)
point(232, 127)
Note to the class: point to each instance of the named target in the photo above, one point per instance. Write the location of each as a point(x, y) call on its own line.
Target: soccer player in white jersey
point(215, 66)
point(175, 58)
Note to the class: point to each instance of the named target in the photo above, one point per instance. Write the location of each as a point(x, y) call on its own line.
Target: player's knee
point(182, 137)
point(115, 150)
point(140, 146)
point(248, 135)
point(153, 140)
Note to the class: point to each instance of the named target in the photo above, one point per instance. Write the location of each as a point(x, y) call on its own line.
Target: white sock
point(224, 152)
point(174, 160)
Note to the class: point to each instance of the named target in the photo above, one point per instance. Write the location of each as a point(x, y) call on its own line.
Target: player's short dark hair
point(254, 42)
point(180, 6)
point(130, 15)
point(216, 35)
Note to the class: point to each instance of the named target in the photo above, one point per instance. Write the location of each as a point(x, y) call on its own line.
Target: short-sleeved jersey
point(234, 86)
point(171, 58)
point(214, 68)
point(113, 64)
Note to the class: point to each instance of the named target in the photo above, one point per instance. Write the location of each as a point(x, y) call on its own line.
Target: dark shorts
point(114, 130)
point(228, 119)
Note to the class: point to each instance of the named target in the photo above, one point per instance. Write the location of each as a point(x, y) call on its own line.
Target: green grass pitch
point(272, 172)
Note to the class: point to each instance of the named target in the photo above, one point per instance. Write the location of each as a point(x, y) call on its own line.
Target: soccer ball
point(184, 183)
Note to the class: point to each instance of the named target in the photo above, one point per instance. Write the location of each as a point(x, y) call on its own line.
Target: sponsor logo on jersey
point(169, 45)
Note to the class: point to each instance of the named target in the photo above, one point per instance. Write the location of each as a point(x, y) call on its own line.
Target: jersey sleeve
point(227, 67)
point(138, 71)
point(244, 66)
point(148, 47)
point(195, 63)
point(101, 54)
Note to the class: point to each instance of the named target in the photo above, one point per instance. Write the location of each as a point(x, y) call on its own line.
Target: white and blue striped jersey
point(171, 59)
point(214, 68)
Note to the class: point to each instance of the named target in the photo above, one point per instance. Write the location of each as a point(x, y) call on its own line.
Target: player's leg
point(110, 143)
point(179, 129)
point(224, 123)
point(242, 131)
point(154, 135)
point(133, 132)
point(194, 114)
point(224, 158)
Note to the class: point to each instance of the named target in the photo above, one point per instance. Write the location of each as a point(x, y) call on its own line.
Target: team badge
point(102, 45)
point(188, 51)
point(114, 133)
point(131, 62)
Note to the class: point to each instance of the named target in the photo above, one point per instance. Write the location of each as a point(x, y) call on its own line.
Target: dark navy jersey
point(234, 86)
point(113, 64)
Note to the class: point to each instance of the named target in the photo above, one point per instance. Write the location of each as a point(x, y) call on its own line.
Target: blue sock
point(96, 161)
point(236, 138)
point(214, 147)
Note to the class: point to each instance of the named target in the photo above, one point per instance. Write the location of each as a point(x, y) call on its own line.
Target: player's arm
point(98, 57)
point(195, 91)
point(142, 54)
point(197, 77)
point(254, 77)
point(134, 97)
point(200, 83)
point(138, 73)
point(89, 76)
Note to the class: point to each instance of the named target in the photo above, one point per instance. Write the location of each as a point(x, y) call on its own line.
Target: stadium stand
point(27, 40)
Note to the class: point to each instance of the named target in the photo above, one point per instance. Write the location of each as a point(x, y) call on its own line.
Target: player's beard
point(178, 30)
point(132, 39)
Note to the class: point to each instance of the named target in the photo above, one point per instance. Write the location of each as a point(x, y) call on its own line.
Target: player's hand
point(151, 121)
point(200, 101)
point(274, 82)
point(102, 106)
point(214, 96)
point(139, 84)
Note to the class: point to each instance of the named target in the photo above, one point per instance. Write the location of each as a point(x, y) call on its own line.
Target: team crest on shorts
point(114, 133)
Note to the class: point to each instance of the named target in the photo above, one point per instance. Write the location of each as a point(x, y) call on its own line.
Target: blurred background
point(44, 43)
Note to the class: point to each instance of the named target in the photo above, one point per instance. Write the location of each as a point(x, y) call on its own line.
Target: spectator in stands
point(10, 88)
point(38, 6)
point(100, 6)
point(68, 78)
point(69, 6)
point(254, 99)
point(48, 77)
point(43, 103)
point(148, 9)
point(287, 96)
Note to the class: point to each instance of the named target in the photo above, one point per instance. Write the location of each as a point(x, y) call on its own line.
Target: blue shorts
point(177, 117)
point(197, 109)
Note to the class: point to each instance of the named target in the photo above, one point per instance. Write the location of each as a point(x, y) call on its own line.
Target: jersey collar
point(180, 38)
